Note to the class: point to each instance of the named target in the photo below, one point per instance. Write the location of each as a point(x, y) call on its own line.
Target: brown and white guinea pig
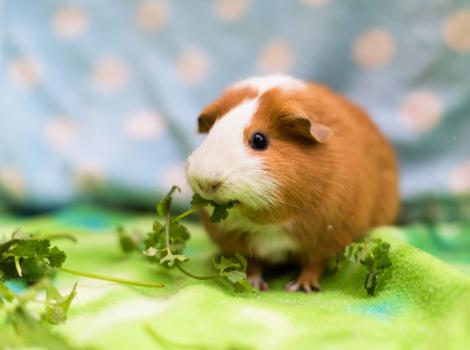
point(310, 170)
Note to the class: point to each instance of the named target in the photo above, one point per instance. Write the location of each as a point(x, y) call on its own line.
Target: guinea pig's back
point(380, 152)
point(368, 156)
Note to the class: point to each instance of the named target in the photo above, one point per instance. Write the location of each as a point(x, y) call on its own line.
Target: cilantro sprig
point(33, 261)
point(27, 257)
point(30, 323)
point(372, 254)
point(166, 242)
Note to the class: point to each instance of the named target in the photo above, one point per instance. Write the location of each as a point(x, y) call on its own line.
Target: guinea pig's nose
point(209, 186)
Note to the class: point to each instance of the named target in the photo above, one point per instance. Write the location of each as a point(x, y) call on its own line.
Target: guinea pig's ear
point(299, 125)
point(205, 122)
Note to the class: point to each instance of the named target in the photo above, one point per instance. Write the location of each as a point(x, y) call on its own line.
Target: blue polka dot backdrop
point(99, 99)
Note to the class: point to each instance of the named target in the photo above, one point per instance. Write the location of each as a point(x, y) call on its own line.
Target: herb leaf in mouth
point(220, 211)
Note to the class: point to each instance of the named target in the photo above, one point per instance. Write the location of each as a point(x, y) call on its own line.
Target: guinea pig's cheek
point(197, 170)
point(259, 187)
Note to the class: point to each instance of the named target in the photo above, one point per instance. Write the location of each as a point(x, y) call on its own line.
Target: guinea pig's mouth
point(214, 201)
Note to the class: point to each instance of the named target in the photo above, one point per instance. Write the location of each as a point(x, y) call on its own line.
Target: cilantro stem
point(18, 266)
point(167, 233)
point(113, 279)
point(183, 215)
point(187, 273)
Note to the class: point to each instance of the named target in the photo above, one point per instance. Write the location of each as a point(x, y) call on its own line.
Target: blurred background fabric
point(99, 99)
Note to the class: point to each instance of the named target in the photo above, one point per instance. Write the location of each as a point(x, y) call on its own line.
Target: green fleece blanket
point(422, 303)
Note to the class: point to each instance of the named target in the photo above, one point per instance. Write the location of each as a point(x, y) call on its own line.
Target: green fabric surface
point(422, 303)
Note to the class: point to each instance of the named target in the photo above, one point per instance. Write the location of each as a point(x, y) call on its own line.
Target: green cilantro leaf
point(56, 257)
point(163, 207)
point(235, 276)
point(57, 306)
point(156, 247)
point(220, 211)
point(129, 241)
point(198, 202)
point(30, 248)
point(30, 330)
point(372, 254)
point(233, 269)
point(156, 238)
point(27, 257)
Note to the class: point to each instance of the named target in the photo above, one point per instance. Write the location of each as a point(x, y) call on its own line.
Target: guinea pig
point(309, 170)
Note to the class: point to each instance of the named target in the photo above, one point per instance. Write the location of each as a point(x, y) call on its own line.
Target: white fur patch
point(265, 83)
point(269, 242)
point(273, 244)
point(223, 156)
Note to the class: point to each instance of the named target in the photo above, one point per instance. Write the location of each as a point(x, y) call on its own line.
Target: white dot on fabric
point(316, 3)
point(231, 10)
point(110, 74)
point(420, 111)
point(61, 133)
point(460, 178)
point(152, 15)
point(13, 182)
point(456, 31)
point(89, 174)
point(24, 72)
point(176, 175)
point(144, 125)
point(373, 49)
point(192, 66)
point(70, 22)
point(276, 57)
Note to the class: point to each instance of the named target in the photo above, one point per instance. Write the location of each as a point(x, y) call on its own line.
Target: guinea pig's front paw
point(258, 282)
point(307, 282)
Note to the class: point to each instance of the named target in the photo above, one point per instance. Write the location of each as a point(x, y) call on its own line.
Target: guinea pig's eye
point(259, 141)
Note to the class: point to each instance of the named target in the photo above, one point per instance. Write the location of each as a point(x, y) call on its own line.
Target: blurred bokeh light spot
point(276, 57)
point(144, 125)
point(24, 72)
point(373, 49)
point(456, 31)
point(89, 175)
point(70, 22)
point(460, 178)
point(421, 110)
point(192, 66)
point(152, 15)
point(61, 133)
point(316, 3)
point(231, 10)
point(12, 182)
point(110, 74)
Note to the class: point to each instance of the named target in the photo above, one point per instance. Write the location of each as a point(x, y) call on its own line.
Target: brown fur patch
point(217, 109)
